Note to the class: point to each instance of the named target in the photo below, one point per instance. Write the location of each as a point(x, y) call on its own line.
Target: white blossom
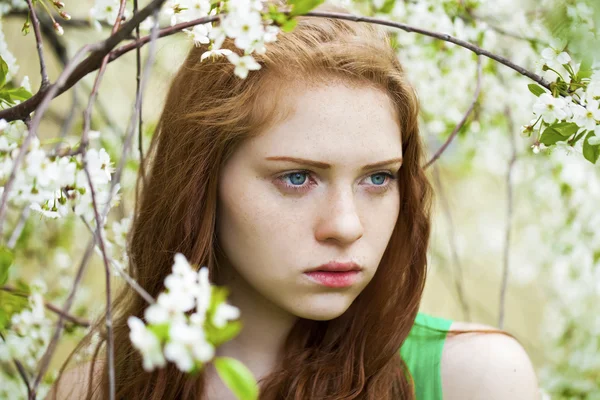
point(147, 343)
point(550, 108)
point(243, 64)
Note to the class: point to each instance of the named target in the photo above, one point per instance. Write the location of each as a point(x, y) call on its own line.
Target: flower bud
point(59, 29)
point(526, 130)
point(64, 15)
point(58, 4)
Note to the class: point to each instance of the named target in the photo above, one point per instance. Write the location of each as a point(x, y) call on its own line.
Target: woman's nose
point(339, 219)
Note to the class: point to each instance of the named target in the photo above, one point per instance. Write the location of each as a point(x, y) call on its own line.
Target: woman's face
point(300, 195)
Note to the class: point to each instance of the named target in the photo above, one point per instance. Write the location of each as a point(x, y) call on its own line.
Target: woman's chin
point(324, 309)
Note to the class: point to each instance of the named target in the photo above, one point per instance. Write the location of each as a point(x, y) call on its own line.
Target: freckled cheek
point(380, 218)
point(255, 210)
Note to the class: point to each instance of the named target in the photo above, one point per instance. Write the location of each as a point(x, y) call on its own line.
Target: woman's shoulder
point(75, 382)
point(485, 365)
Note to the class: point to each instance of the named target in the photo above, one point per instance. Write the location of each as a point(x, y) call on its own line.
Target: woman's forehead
point(336, 121)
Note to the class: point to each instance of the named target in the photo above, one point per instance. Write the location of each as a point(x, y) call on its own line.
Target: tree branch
point(93, 62)
point(102, 48)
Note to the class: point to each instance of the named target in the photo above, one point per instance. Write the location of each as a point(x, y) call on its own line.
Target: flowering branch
point(76, 320)
point(103, 48)
point(441, 36)
point(98, 51)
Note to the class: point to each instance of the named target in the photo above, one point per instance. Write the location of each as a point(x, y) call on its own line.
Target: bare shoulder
point(490, 366)
point(75, 382)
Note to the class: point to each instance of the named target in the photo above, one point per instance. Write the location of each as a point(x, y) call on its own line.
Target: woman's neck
point(264, 328)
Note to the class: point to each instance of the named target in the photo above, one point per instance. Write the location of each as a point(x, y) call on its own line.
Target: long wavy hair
point(208, 112)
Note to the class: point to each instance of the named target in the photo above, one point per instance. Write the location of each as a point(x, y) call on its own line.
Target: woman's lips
point(333, 279)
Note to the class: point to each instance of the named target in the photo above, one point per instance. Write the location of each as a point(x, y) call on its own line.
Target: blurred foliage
point(576, 23)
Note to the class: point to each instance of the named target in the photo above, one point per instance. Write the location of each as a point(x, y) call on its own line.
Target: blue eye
point(381, 179)
point(297, 178)
point(300, 181)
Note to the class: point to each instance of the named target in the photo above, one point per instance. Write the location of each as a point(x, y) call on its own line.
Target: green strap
point(422, 352)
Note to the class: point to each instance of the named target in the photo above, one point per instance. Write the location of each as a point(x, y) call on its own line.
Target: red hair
point(207, 114)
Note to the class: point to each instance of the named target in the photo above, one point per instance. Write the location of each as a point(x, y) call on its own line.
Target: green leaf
point(3, 72)
point(537, 90)
point(11, 95)
point(218, 295)
point(3, 320)
point(565, 129)
point(218, 336)
point(237, 377)
point(289, 25)
point(550, 136)
point(301, 7)
point(590, 152)
point(10, 304)
point(387, 6)
point(161, 331)
point(585, 69)
point(19, 94)
point(578, 137)
point(6, 260)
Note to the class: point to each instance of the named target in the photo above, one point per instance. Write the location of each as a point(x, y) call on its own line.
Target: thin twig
point(38, 39)
point(21, 370)
point(130, 281)
point(138, 101)
point(458, 270)
point(76, 320)
point(509, 211)
point(109, 327)
point(138, 77)
point(12, 242)
point(462, 122)
point(87, 117)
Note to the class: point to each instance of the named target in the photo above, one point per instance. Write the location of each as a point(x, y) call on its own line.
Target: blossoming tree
point(518, 75)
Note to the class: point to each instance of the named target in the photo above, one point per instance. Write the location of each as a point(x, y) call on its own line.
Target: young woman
point(312, 162)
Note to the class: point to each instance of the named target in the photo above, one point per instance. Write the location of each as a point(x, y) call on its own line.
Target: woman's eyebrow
point(322, 165)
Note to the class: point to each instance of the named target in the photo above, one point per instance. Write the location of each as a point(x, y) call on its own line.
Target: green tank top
point(422, 353)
